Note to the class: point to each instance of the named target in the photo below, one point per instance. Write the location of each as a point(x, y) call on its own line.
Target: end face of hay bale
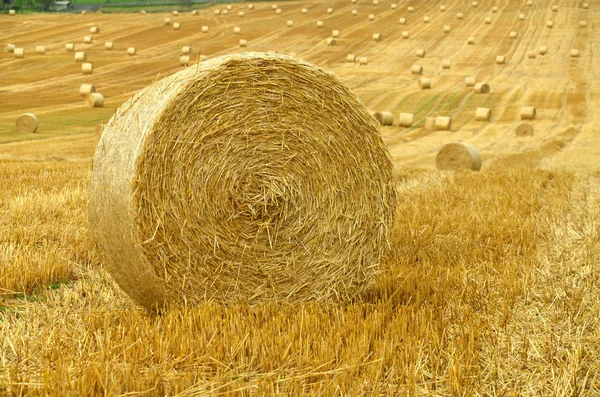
point(94, 30)
point(458, 156)
point(354, 12)
point(475, 4)
point(331, 41)
point(330, 10)
point(278, 11)
point(87, 68)
point(12, 13)
point(513, 35)
point(305, 10)
point(442, 8)
point(410, 9)
point(524, 129)
point(393, 6)
point(27, 123)
point(488, 20)
point(86, 89)
point(290, 24)
point(80, 56)
point(94, 100)
point(224, 236)
point(482, 88)
point(528, 113)
point(406, 120)
point(241, 14)
point(443, 123)
point(40, 49)
point(424, 83)
point(483, 114)
point(217, 12)
point(426, 19)
point(494, 9)
point(131, 51)
point(447, 29)
point(384, 118)
point(19, 53)
point(549, 24)
point(320, 24)
point(521, 17)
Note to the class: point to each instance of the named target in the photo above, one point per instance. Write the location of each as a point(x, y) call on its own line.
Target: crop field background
point(492, 287)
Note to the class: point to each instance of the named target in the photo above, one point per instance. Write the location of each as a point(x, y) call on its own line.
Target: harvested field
point(493, 282)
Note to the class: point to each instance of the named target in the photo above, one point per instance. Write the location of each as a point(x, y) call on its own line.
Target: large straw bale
point(471, 40)
point(143, 12)
point(109, 45)
point(574, 53)
point(176, 26)
point(393, 6)
point(94, 100)
point(335, 33)
point(543, 50)
point(410, 9)
point(199, 194)
point(86, 89)
point(184, 60)
point(331, 41)
point(305, 10)
point(447, 29)
point(217, 12)
point(351, 58)
point(475, 4)
point(175, 13)
point(495, 9)
point(529, 3)
point(204, 29)
point(241, 14)
point(513, 35)
point(549, 24)
point(443, 123)
point(87, 68)
point(521, 17)
point(420, 53)
point(402, 21)
point(406, 120)
point(278, 11)
point(363, 60)
point(371, 17)
point(459, 15)
point(585, 6)
point(27, 123)
point(131, 51)
point(70, 47)
point(426, 19)
point(87, 40)
point(416, 69)
point(80, 56)
point(243, 42)
point(501, 59)
point(377, 36)
point(290, 24)
point(554, 8)
point(582, 24)
point(167, 21)
point(483, 114)
point(532, 54)
point(524, 129)
point(12, 13)
point(481, 88)
point(446, 64)
point(330, 10)
point(458, 156)
point(19, 52)
point(528, 113)
point(488, 20)
point(10, 48)
point(470, 81)
point(405, 34)
point(94, 30)
point(442, 8)
point(384, 118)
point(424, 83)
point(429, 124)
point(320, 24)
point(195, 12)
point(40, 49)
point(354, 12)
point(186, 50)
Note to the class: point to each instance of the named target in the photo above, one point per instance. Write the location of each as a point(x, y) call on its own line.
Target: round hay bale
point(443, 123)
point(94, 30)
point(109, 45)
point(87, 68)
point(406, 120)
point(86, 89)
point(278, 11)
point(416, 69)
point(363, 61)
point(429, 124)
point(229, 7)
point(186, 50)
point(241, 14)
point(513, 35)
point(377, 37)
point(331, 41)
point(458, 156)
point(470, 81)
point(217, 12)
point(442, 8)
point(19, 53)
point(371, 17)
point(184, 60)
point(274, 6)
point(529, 3)
point(585, 6)
point(167, 21)
point(500, 60)
point(384, 118)
point(320, 24)
point(70, 47)
point(195, 12)
point(247, 201)
point(426, 19)
point(330, 10)
point(424, 83)
point(27, 123)
point(393, 6)
point(80, 56)
point(410, 9)
point(12, 13)
point(543, 50)
point(582, 24)
point(446, 64)
point(175, 13)
point(354, 12)
point(521, 17)
point(405, 35)
point(494, 9)
point(375, 2)
point(574, 53)
point(471, 40)
point(305, 10)
point(87, 39)
point(528, 113)
point(204, 29)
point(481, 88)
point(475, 4)
point(40, 49)
point(420, 53)
point(225, 12)
point(98, 130)
point(243, 42)
point(524, 129)
point(447, 29)
point(143, 12)
point(459, 15)
point(290, 24)
point(335, 33)
point(488, 20)
point(176, 26)
point(84, 12)
point(532, 54)
point(402, 21)
point(250, 6)
point(10, 48)
point(350, 58)
point(94, 100)
point(131, 51)
point(554, 8)
point(483, 114)
point(549, 24)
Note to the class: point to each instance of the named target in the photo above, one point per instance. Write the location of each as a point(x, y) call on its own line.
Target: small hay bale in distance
point(554, 8)
point(363, 61)
point(278, 11)
point(143, 12)
point(405, 35)
point(446, 64)
point(458, 156)
point(27, 123)
point(320, 24)
point(335, 33)
point(500, 60)
point(229, 7)
point(331, 41)
point(543, 50)
point(416, 69)
point(167, 21)
point(483, 114)
point(94, 100)
point(354, 12)
point(305, 10)
point(406, 120)
point(241, 191)
point(330, 10)
point(459, 15)
point(250, 6)
point(471, 40)
point(87, 68)
point(184, 60)
point(351, 58)
point(426, 19)
point(10, 48)
point(377, 37)
point(225, 12)
point(524, 129)
point(80, 56)
point(488, 20)
point(94, 30)
point(528, 113)
point(40, 49)
point(447, 29)
point(574, 53)
point(12, 13)
point(290, 24)
point(87, 40)
point(131, 51)
point(513, 35)
point(195, 12)
point(204, 29)
point(375, 2)
point(393, 6)
point(371, 17)
point(243, 42)
point(475, 4)
point(585, 6)
point(443, 123)
point(549, 24)
point(529, 3)
point(494, 9)
point(175, 13)
point(86, 89)
point(384, 118)
point(424, 83)
point(186, 50)
point(521, 17)
point(402, 21)
point(70, 47)
point(19, 53)
point(532, 54)
point(241, 14)
point(109, 45)
point(176, 26)
point(582, 24)
point(410, 9)
point(481, 88)
point(420, 53)
point(470, 81)
point(217, 12)
point(442, 8)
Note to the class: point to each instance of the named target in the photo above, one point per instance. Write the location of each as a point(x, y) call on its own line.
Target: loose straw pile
point(223, 196)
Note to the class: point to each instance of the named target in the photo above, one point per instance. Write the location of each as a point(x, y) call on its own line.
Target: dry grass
point(491, 295)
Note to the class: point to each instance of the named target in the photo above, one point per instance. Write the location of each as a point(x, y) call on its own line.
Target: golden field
point(493, 282)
